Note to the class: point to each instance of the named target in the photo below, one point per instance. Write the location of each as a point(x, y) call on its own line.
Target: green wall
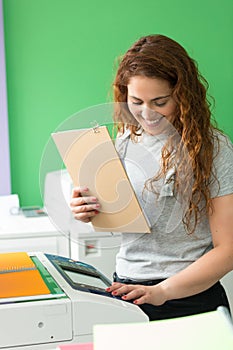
point(60, 58)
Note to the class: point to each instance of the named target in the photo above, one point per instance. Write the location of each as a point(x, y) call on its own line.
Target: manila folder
point(91, 160)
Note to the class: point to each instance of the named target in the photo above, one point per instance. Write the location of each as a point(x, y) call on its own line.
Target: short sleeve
point(121, 143)
point(223, 169)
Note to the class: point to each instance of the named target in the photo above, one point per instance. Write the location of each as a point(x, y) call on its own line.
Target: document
point(91, 160)
point(19, 276)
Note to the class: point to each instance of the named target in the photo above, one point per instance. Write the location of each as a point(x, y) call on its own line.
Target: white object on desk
point(211, 330)
point(227, 282)
point(8, 205)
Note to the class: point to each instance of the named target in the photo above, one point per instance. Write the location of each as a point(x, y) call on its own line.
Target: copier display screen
point(81, 278)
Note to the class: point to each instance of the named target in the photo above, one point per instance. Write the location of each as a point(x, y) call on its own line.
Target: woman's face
point(150, 102)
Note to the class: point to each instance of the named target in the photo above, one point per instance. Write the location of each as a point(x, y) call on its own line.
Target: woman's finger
point(85, 217)
point(136, 293)
point(79, 191)
point(114, 286)
point(82, 200)
point(87, 208)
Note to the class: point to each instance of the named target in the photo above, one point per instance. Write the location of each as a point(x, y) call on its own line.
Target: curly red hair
point(157, 56)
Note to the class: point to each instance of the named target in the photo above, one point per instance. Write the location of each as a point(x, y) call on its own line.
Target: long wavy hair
point(157, 56)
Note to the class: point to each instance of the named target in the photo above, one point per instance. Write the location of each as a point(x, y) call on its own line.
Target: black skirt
point(206, 301)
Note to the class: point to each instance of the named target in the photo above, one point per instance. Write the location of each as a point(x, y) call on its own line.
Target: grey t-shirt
point(168, 249)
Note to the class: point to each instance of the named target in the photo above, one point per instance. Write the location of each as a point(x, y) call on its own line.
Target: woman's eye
point(155, 103)
point(160, 104)
point(138, 103)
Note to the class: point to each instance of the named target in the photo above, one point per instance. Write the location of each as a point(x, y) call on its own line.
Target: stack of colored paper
point(19, 276)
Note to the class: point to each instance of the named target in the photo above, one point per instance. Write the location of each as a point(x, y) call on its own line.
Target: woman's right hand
point(83, 206)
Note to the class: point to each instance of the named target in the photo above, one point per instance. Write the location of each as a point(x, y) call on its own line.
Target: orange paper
point(15, 261)
point(19, 276)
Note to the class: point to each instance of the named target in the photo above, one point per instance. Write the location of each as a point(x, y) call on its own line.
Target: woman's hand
point(140, 294)
point(83, 206)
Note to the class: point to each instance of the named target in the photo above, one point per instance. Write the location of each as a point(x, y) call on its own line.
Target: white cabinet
point(95, 248)
point(98, 249)
point(19, 233)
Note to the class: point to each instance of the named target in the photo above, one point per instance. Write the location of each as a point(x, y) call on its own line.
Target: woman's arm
point(201, 274)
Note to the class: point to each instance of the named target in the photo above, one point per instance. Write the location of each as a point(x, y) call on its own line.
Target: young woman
point(181, 168)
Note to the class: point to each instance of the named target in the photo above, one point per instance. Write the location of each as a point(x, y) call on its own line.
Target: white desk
point(19, 233)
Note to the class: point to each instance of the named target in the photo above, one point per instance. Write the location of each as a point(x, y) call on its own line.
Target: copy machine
point(47, 300)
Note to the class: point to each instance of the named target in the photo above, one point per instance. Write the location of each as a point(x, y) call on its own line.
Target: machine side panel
point(36, 322)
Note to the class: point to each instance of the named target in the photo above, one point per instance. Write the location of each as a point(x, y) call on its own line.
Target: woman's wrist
point(165, 290)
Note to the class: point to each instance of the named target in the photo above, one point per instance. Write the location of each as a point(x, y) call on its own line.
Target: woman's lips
point(153, 122)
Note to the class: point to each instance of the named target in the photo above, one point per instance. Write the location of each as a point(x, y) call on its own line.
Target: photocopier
point(47, 300)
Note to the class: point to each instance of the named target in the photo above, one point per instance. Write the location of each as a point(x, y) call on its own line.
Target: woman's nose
point(147, 112)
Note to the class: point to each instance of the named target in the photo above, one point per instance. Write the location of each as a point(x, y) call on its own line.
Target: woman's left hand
point(140, 294)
